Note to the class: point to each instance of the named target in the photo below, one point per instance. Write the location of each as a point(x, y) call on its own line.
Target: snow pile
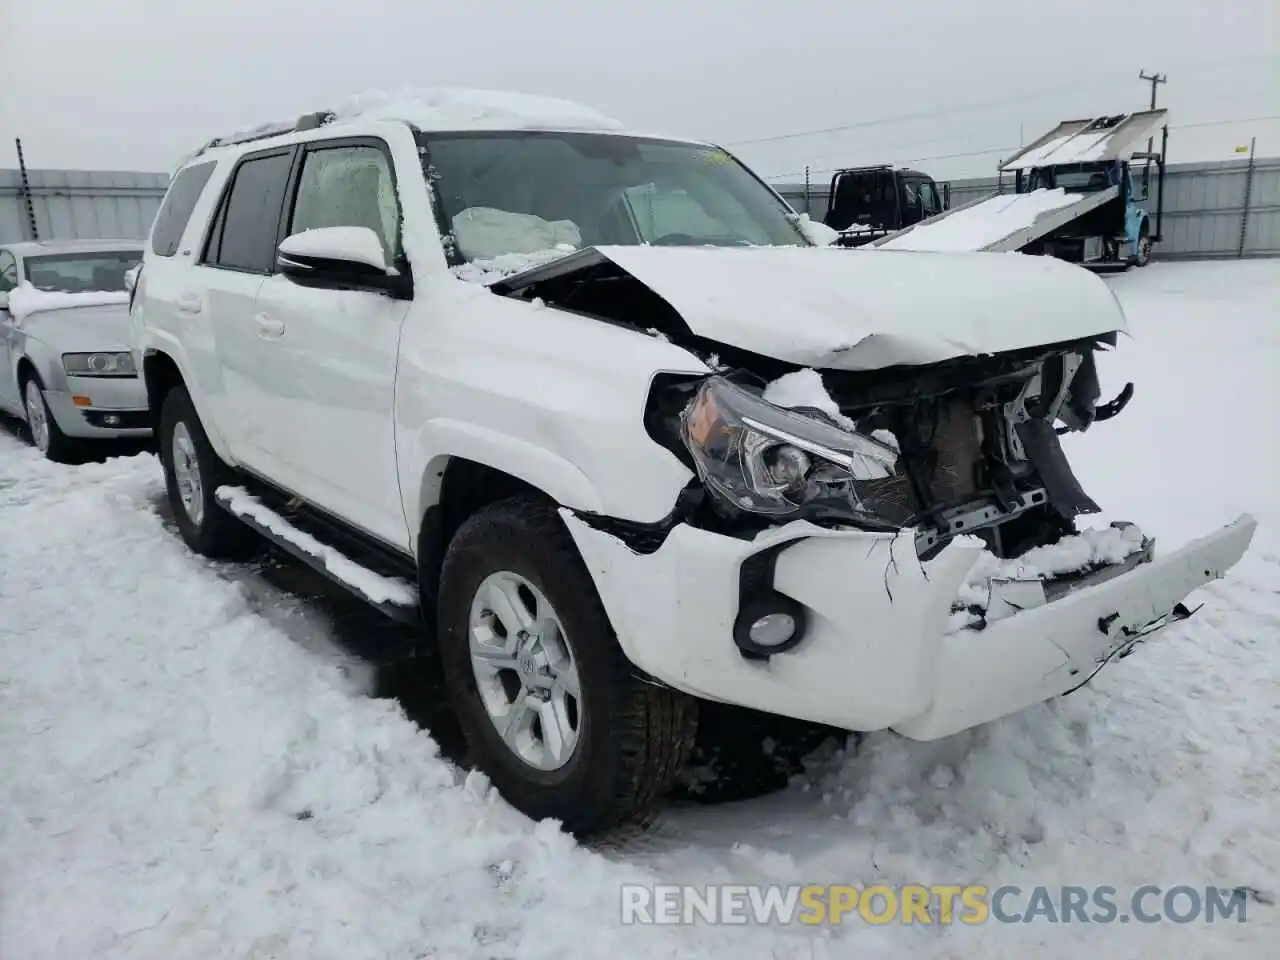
point(804, 388)
point(485, 233)
point(507, 265)
point(466, 109)
point(975, 227)
point(376, 587)
point(25, 300)
point(1082, 552)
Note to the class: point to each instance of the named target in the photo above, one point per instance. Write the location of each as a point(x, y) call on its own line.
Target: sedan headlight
point(99, 365)
point(768, 460)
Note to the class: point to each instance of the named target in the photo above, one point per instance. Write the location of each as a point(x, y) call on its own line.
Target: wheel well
point(26, 369)
point(160, 374)
point(465, 488)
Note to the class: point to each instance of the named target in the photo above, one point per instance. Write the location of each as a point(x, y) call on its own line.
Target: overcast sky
point(134, 84)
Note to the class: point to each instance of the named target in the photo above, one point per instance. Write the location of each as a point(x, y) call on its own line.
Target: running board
point(393, 596)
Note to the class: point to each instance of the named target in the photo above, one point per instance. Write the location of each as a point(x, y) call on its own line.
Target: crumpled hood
point(869, 309)
point(82, 329)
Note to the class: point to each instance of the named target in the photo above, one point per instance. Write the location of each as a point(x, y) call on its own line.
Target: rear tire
point(46, 435)
point(629, 738)
point(192, 472)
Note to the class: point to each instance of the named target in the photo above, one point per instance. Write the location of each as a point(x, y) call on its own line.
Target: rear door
point(237, 257)
point(326, 385)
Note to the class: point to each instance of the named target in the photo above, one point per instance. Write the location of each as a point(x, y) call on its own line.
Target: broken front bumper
point(876, 652)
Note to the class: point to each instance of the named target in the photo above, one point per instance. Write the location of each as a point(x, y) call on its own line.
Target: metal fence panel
point(1204, 207)
point(80, 204)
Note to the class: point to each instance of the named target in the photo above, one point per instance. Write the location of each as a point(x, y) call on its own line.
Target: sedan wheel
point(37, 416)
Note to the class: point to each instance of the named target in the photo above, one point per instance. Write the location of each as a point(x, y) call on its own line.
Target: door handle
point(190, 303)
point(269, 328)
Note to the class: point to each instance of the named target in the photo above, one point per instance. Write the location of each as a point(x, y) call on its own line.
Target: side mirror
point(340, 257)
point(333, 250)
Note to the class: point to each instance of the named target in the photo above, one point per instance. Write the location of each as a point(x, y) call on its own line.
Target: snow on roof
point(443, 108)
point(467, 109)
point(25, 300)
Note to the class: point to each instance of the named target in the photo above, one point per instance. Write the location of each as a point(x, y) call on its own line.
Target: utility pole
point(1155, 79)
point(26, 190)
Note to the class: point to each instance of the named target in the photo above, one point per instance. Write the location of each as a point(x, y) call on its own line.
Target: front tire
point(192, 472)
point(46, 435)
point(1143, 256)
point(548, 704)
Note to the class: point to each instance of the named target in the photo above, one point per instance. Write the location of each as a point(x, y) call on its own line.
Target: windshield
point(527, 193)
point(81, 272)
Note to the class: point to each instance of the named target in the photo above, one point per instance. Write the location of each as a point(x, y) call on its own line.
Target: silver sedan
point(67, 366)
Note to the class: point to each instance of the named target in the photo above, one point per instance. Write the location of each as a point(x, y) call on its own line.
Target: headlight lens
point(99, 365)
point(768, 460)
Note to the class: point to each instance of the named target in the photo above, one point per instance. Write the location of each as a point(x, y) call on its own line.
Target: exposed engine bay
point(968, 445)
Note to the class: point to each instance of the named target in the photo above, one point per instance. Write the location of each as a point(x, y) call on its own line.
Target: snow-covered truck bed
point(1002, 222)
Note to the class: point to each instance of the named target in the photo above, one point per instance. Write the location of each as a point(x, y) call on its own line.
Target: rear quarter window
point(175, 211)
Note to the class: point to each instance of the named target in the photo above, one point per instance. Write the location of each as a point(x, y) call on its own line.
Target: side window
point(8, 271)
point(348, 186)
point(929, 198)
point(175, 211)
point(244, 233)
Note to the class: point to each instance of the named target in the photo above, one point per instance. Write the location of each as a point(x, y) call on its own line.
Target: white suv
point(596, 408)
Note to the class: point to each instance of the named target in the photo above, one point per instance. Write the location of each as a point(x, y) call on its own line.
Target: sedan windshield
point(81, 272)
point(524, 193)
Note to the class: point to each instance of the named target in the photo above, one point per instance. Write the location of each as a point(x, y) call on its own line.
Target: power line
point(966, 108)
point(1269, 118)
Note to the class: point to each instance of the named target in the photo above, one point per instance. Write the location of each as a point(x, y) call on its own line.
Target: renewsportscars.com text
point(880, 904)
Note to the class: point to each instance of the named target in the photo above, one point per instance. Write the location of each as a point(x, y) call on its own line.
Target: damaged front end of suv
point(880, 525)
point(970, 447)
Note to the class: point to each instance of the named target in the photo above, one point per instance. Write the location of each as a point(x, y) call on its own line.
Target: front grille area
point(118, 419)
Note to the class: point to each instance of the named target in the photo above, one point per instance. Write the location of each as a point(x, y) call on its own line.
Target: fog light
point(767, 625)
point(772, 630)
point(110, 420)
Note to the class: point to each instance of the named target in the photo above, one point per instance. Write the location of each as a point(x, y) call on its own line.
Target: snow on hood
point(83, 328)
point(869, 309)
point(25, 300)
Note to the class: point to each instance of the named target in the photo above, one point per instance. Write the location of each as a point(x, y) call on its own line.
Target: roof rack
point(308, 121)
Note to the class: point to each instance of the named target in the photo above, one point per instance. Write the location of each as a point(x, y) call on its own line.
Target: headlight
point(99, 365)
point(768, 460)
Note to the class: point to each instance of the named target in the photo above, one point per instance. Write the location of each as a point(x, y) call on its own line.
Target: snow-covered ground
point(181, 777)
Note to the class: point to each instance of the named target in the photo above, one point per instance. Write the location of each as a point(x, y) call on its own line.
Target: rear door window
point(175, 211)
point(244, 233)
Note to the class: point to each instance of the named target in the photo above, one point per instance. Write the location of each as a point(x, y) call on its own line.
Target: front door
point(10, 398)
point(330, 400)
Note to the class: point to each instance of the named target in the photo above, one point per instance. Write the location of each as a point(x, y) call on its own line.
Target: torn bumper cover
point(876, 652)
